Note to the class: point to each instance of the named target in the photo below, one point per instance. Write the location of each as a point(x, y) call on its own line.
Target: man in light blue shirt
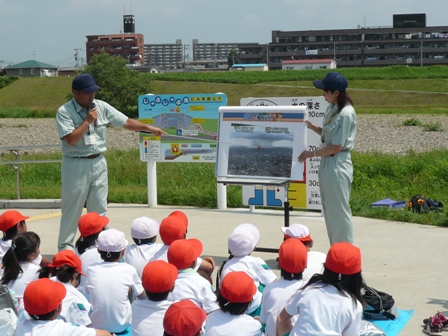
point(81, 124)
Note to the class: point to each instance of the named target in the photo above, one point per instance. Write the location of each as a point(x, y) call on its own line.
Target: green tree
point(232, 58)
point(120, 85)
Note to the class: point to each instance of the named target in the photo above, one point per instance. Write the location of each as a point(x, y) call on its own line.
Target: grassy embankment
point(395, 90)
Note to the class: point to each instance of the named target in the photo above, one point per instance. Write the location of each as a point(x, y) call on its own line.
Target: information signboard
point(191, 121)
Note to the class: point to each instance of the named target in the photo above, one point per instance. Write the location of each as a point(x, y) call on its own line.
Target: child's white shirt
point(5, 245)
point(275, 296)
point(190, 285)
point(323, 310)
point(26, 326)
point(75, 307)
point(221, 323)
point(315, 264)
point(89, 257)
point(148, 315)
point(139, 255)
point(107, 285)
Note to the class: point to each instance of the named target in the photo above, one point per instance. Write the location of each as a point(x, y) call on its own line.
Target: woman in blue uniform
point(336, 170)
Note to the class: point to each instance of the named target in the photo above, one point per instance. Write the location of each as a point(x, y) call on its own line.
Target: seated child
point(43, 301)
point(144, 232)
point(189, 284)
point(18, 269)
point(86, 247)
point(236, 293)
point(183, 318)
point(66, 268)
point(13, 223)
point(158, 279)
point(292, 261)
point(316, 259)
point(175, 227)
point(242, 241)
point(110, 282)
point(330, 303)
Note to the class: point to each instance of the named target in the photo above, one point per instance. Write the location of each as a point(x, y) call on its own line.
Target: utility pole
point(76, 58)
point(1, 64)
point(34, 54)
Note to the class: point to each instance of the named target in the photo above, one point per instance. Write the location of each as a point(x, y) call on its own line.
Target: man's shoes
point(442, 318)
point(434, 326)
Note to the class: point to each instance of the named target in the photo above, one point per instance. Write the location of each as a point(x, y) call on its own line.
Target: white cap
point(243, 239)
point(297, 231)
point(112, 240)
point(144, 227)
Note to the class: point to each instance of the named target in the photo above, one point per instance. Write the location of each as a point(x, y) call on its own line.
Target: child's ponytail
point(22, 246)
point(83, 243)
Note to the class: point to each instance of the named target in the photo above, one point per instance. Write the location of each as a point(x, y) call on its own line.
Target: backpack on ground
point(378, 305)
point(422, 204)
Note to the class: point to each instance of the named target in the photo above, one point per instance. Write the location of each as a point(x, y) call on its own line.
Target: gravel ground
point(382, 133)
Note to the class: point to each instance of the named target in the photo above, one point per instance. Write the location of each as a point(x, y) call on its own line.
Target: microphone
point(92, 106)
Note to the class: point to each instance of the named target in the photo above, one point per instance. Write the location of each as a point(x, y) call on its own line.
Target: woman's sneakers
point(435, 324)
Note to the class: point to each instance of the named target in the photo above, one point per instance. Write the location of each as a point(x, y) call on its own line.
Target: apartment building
point(166, 56)
point(196, 56)
point(407, 42)
point(129, 46)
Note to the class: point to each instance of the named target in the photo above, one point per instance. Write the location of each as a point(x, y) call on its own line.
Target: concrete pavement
point(403, 259)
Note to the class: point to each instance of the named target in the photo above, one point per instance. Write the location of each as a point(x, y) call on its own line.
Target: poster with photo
point(261, 142)
point(300, 194)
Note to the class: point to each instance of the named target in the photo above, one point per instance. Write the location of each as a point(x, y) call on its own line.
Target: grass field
point(395, 90)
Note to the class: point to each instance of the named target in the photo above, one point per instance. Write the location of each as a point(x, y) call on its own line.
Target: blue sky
point(50, 31)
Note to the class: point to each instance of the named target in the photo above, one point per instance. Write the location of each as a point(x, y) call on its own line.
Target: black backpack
point(378, 305)
point(422, 204)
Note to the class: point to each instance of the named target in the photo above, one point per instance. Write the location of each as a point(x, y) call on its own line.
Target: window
point(33, 71)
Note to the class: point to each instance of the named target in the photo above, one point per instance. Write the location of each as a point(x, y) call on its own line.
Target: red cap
point(91, 223)
point(344, 258)
point(66, 257)
point(172, 228)
point(181, 216)
point(43, 296)
point(293, 256)
point(238, 287)
point(158, 276)
point(183, 318)
point(182, 253)
point(10, 218)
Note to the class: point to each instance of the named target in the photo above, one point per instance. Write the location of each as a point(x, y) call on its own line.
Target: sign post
point(191, 121)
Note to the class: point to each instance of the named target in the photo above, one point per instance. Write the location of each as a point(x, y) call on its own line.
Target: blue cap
point(332, 81)
point(85, 83)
